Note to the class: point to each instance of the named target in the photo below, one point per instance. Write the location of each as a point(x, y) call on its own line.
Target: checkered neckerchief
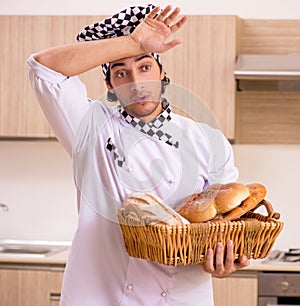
point(154, 127)
point(113, 149)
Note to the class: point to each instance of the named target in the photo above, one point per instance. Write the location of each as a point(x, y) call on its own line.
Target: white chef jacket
point(98, 270)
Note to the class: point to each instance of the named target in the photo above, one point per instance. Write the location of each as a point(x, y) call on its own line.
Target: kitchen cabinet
point(204, 65)
point(34, 285)
point(264, 115)
point(196, 66)
point(240, 288)
point(268, 117)
point(20, 113)
point(30, 285)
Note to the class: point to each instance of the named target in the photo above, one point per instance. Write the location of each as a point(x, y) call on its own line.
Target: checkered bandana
point(154, 127)
point(120, 24)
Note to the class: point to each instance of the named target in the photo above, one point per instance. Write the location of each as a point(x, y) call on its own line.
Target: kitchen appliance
point(280, 288)
point(261, 72)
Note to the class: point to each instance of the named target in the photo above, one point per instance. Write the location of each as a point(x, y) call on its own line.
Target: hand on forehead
point(120, 24)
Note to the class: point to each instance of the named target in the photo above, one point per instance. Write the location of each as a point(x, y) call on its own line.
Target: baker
point(138, 145)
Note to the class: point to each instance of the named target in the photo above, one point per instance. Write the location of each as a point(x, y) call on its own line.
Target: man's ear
point(162, 73)
point(109, 87)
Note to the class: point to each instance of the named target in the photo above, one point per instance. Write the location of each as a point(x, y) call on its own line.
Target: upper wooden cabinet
point(265, 116)
point(20, 114)
point(203, 64)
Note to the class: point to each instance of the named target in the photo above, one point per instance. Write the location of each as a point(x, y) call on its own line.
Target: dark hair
point(111, 97)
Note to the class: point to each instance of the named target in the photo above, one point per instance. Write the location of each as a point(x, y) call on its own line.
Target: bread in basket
point(183, 243)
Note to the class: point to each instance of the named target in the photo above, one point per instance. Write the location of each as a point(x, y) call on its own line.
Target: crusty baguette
point(149, 209)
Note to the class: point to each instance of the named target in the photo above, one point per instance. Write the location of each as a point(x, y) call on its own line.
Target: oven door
point(278, 289)
point(273, 301)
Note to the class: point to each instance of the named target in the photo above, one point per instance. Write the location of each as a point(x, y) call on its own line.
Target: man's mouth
point(141, 99)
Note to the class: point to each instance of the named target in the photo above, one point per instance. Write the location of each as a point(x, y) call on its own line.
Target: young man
point(139, 145)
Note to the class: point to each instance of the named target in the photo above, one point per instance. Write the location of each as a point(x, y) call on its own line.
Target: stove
point(280, 288)
point(291, 255)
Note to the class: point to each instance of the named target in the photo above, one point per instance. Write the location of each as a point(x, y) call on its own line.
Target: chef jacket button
point(129, 169)
point(164, 294)
point(171, 181)
point(130, 287)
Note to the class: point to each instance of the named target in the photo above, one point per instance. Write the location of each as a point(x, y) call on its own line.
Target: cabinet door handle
point(54, 296)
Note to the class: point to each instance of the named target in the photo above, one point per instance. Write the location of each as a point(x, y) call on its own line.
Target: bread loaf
point(197, 208)
point(215, 200)
point(257, 194)
point(149, 209)
point(230, 196)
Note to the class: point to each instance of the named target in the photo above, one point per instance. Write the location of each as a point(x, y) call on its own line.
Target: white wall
point(36, 183)
point(278, 9)
point(278, 168)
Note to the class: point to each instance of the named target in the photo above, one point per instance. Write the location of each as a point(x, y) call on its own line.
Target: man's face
point(137, 83)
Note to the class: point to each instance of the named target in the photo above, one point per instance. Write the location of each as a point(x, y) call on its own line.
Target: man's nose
point(136, 82)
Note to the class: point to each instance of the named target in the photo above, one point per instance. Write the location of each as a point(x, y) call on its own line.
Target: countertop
point(263, 265)
point(59, 259)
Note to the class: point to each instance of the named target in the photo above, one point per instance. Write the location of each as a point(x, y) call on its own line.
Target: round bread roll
point(230, 196)
point(257, 194)
point(215, 200)
point(198, 208)
point(149, 209)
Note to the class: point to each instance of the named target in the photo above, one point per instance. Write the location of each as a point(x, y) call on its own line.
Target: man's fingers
point(229, 254)
point(153, 13)
point(242, 263)
point(172, 16)
point(216, 265)
point(209, 263)
point(164, 13)
point(219, 258)
point(171, 44)
point(175, 27)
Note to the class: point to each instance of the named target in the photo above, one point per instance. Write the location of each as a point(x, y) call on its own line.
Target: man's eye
point(146, 68)
point(121, 74)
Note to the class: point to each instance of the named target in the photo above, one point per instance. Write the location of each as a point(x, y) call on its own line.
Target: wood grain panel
point(20, 114)
point(268, 117)
point(23, 287)
point(235, 291)
point(204, 64)
point(269, 36)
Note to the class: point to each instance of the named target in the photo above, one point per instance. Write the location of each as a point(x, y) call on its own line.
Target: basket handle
point(270, 210)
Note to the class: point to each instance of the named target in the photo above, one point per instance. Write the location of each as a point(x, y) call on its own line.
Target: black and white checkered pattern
point(112, 148)
point(154, 127)
point(120, 24)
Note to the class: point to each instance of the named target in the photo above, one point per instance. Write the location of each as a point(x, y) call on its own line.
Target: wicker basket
point(253, 235)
